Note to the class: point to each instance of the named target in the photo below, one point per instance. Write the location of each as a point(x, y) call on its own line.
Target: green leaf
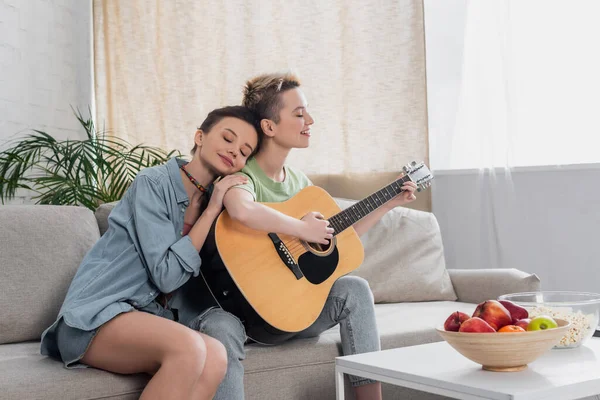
point(88, 172)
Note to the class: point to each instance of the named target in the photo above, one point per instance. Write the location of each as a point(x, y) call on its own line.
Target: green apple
point(541, 323)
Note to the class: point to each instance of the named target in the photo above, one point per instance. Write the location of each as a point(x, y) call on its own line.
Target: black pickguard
point(318, 269)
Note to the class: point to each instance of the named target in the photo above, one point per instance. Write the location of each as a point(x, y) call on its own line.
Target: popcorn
point(582, 325)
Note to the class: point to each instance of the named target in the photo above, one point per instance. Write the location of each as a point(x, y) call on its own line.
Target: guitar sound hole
point(320, 247)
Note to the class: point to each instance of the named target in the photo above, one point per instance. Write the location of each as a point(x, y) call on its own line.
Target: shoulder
point(152, 181)
point(250, 186)
point(297, 176)
point(251, 169)
point(156, 174)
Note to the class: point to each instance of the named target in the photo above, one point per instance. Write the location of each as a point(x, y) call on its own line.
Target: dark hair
point(239, 112)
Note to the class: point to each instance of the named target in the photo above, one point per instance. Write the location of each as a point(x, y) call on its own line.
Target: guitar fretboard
point(348, 217)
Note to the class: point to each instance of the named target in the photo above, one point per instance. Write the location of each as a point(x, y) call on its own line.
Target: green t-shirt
point(266, 190)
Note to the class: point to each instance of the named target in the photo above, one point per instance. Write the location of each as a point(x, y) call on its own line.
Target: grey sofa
point(41, 247)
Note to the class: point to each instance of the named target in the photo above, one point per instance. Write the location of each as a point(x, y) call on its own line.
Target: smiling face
point(293, 128)
point(226, 147)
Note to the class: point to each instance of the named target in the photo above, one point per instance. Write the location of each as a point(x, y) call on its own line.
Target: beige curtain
point(161, 66)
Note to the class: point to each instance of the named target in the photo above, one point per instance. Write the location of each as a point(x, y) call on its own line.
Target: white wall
point(543, 220)
point(45, 67)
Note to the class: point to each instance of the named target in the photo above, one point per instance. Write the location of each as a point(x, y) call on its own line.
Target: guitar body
point(277, 284)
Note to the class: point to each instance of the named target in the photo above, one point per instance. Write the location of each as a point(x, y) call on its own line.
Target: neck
point(200, 172)
point(349, 216)
point(271, 159)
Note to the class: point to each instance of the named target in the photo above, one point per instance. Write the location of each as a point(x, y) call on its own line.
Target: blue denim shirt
point(141, 254)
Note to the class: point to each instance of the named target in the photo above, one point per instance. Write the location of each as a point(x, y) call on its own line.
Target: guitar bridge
point(286, 256)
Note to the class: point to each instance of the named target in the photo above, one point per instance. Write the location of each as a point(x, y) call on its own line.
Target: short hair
point(262, 94)
point(239, 112)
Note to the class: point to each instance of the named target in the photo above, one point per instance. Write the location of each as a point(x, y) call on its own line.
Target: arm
point(197, 225)
point(362, 226)
point(169, 260)
point(192, 213)
point(202, 226)
point(405, 197)
point(241, 206)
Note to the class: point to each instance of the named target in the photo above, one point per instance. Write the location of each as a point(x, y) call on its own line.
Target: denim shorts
point(72, 343)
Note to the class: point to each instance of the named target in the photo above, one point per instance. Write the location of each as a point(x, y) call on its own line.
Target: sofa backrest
point(404, 256)
point(40, 250)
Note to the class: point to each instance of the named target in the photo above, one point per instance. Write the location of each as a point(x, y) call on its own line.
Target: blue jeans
point(350, 304)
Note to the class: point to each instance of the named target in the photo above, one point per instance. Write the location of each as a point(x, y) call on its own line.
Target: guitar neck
point(351, 215)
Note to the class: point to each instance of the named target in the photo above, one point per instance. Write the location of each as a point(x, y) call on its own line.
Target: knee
point(216, 357)
point(355, 287)
point(188, 352)
point(228, 330)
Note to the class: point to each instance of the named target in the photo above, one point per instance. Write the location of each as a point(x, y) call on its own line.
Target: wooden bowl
point(505, 351)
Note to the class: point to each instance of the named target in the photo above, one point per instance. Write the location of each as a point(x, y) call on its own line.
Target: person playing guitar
point(285, 120)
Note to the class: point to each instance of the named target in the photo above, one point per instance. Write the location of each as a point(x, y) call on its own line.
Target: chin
point(219, 170)
point(303, 144)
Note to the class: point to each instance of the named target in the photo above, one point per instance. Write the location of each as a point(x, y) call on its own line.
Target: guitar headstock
point(419, 174)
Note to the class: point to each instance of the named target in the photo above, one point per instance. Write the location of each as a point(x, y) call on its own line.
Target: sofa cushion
point(24, 373)
point(404, 257)
point(477, 285)
point(41, 247)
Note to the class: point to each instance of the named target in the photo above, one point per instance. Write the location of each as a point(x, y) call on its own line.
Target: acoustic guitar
point(276, 284)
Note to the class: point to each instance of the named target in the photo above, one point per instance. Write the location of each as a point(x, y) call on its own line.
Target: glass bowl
point(581, 309)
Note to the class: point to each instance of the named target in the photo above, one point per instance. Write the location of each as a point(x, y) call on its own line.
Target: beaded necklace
point(193, 180)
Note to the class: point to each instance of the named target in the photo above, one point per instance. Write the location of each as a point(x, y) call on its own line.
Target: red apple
point(516, 312)
point(523, 323)
point(454, 321)
point(494, 313)
point(476, 325)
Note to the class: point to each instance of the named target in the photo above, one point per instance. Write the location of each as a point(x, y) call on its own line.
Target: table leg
point(339, 384)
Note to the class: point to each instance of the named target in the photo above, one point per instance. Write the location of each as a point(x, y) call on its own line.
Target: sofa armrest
point(477, 285)
point(102, 214)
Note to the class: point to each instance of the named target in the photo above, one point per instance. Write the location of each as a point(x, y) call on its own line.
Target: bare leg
point(214, 370)
point(137, 342)
point(368, 392)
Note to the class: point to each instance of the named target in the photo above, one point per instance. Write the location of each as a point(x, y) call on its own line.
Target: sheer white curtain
point(514, 84)
point(529, 86)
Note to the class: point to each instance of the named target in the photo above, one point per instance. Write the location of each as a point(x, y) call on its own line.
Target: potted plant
point(88, 172)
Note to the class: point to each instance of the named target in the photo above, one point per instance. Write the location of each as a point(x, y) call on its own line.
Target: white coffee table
point(559, 374)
